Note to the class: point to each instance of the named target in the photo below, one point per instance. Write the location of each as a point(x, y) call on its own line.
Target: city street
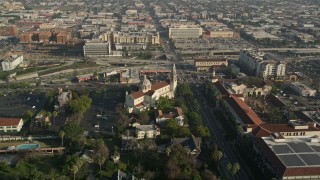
point(218, 138)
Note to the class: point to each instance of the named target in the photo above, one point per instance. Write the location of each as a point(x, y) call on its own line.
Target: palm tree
point(62, 134)
point(76, 167)
point(128, 133)
point(216, 155)
point(229, 167)
point(235, 168)
point(54, 114)
point(49, 114)
point(43, 114)
point(73, 165)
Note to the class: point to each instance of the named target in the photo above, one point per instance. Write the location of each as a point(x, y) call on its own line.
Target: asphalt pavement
point(214, 125)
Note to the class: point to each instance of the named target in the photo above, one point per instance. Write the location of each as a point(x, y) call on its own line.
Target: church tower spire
point(173, 82)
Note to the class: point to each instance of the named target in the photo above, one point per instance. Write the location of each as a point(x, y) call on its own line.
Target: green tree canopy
point(144, 117)
point(203, 131)
point(235, 168)
point(194, 119)
point(183, 90)
point(27, 115)
point(72, 131)
point(79, 105)
point(164, 103)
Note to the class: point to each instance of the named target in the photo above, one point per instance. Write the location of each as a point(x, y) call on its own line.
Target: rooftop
point(9, 121)
point(294, 157)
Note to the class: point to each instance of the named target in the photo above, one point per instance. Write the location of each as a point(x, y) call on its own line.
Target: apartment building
point(63, 37)
point(254, 63)
point(135, 37)
point(8, 31)
point(11, 63)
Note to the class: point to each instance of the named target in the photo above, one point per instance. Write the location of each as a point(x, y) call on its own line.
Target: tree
point(144, 117)
point(73, 131)
point(183, 90)
point(275, 115)
point(73, 165)
point(194, 119)
point(183, 132)
point(27, 115)
point(203, 131)
point(208, 175)
point(164, 103)
point(235, 168)
point(229, 167)
point(216, 154)
point(54, 114)
point(79, 105)
point(101, 154)
point(61, 134)
point(172, 170)
point(171, 127)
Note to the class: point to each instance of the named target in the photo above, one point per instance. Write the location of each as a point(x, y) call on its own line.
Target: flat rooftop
point(296, 152)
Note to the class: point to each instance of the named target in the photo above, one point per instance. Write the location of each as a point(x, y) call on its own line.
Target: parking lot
point(102, 115)
point(15, 105)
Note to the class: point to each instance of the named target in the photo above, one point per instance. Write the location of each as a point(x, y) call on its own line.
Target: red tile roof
point(149, 93)
point(265, 130)
point(221, 88)
point(159, 85)
point(137, 94)
point(9, 121)
point(247, 115)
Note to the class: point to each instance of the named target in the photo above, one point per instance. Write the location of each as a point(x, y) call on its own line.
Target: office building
point(185, 32)
point(96, 49)
point(209, 64)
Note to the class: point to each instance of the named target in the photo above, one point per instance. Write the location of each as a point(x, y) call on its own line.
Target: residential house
point(10, 125)
point(177, 115)
point(148, 131)
point(63, 98)
point(192, 144)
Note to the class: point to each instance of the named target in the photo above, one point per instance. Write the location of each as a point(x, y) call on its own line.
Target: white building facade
point(185, 33)
point(11, 63)
point(10, 125)
point(254, 63)
point(303, 89)
point(149, 93)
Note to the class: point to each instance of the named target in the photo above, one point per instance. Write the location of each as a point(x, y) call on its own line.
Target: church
point(149, 93)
